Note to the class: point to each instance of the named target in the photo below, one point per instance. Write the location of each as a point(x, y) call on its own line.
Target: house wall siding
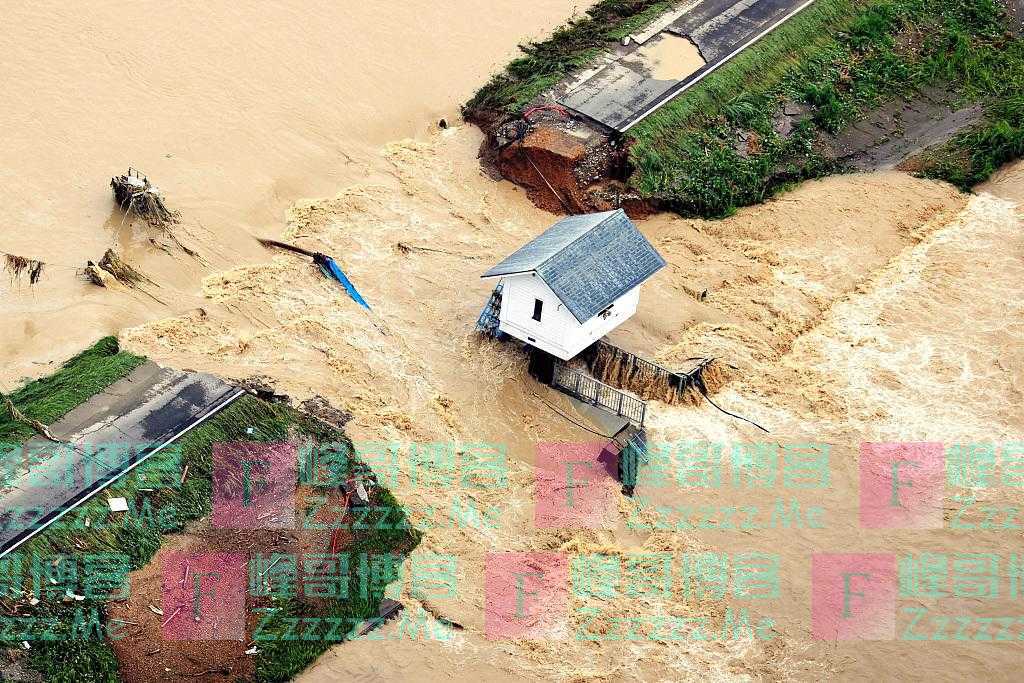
point(558, 332)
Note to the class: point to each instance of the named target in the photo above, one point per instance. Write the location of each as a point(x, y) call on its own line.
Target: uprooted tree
point(136, 195)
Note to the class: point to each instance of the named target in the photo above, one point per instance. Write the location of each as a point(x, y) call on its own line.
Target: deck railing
point(586, 388)
point(646, 378)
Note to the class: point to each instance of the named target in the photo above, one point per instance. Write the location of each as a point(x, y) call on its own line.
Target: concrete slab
point(622, 93)
point(106, 435)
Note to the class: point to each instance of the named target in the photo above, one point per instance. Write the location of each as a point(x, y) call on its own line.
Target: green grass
point(572, 46)
point(840, 58)
point(280, 659)
point(975, 154)
point(172, 508)
point(50, 398)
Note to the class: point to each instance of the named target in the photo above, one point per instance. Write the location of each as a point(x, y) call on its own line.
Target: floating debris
point(328, 266)
point(388, 610)
point(19, 266)
point(135, 194)
point(96, 275)
point(320, 408)
point(112, 265)
point(122, 272)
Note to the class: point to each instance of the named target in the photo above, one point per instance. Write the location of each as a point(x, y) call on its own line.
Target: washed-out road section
point(102, 439)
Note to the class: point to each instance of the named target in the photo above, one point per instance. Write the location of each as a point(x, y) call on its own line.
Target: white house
point(575, 283)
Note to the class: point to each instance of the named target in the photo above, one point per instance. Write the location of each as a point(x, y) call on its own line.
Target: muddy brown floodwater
point(852, 308)
point(234, 111)
point(865, 307)
point(671, 57)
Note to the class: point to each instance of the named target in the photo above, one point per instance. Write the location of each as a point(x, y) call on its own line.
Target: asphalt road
point(103, 437)
point(623, 92)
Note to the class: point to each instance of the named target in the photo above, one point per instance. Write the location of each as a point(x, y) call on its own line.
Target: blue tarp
point(331, 269)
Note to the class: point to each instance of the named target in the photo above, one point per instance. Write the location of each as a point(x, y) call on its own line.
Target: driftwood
point(18, 416)
point(135, 194)
point(19, 266)
point(113, 266)
point(122, 272)
point(96, 275)
point(274, 244)
point(406, 248)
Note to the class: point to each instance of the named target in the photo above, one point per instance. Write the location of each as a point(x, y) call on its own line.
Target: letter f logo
point(248, 485)
point(198, 593)
point(897, 483)
point(848, 593)
point(521, 591)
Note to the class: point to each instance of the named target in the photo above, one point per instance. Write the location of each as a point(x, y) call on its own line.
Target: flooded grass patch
point(77, 642)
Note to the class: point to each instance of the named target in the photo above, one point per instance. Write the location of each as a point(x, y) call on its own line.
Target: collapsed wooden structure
point(650, 381)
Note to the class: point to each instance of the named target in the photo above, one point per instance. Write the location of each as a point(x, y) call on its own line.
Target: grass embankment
point(79, 379)
point(77, 651)
point(840, 58)
point(281, 657)
point(571, 47)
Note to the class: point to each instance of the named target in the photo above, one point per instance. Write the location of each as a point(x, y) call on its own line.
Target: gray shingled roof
point(588, 261)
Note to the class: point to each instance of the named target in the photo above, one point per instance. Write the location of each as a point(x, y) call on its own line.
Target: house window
point(538, 308)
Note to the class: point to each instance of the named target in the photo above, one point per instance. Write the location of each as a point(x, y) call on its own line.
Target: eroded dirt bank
point(805, 296)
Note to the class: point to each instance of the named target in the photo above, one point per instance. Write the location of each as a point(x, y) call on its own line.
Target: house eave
point(485, 276)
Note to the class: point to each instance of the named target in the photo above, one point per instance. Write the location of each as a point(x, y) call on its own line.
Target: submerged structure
point(575, 283)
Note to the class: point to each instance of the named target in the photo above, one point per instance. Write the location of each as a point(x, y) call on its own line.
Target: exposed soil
point(565, 164)
point(1016, 10)
point(144, 654)
point(568, 165)
point(556, 157)
point(890, 136)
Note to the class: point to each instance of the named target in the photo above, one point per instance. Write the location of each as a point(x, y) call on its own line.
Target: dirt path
point(890, 135)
